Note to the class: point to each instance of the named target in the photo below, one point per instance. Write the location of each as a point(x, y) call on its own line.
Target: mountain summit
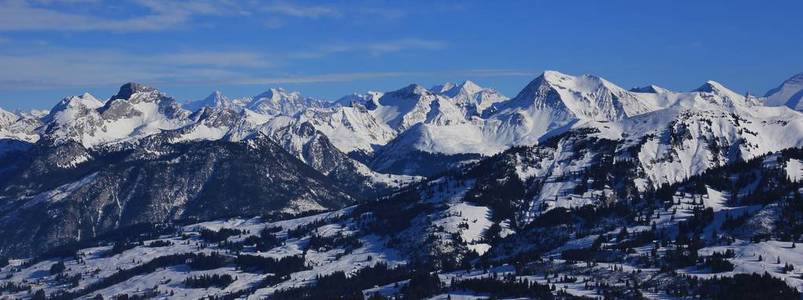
point(789, 93)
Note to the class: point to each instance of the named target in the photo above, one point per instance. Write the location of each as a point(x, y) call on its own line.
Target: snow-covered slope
point(313, 147)
point(20, 127)
point(350, 128)
point(789, 93)
point(709, 127)
point(449, 119)
point(414, 104)
point(446, 122)
point(17, 131)
point(7, 117)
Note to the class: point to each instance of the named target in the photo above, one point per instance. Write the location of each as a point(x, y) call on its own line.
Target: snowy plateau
point(574, 188)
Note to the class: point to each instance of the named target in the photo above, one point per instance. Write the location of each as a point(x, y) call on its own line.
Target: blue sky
point(53, 48)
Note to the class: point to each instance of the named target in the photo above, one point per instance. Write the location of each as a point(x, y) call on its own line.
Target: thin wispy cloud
point(88, 68)
point(319, 78)
point(296, 10)
point(499, 73)
point(21, 15)
point(372, 48)
point(99, 67)
point(355, 76)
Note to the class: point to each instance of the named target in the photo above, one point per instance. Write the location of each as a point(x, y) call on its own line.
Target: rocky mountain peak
point(129, 89)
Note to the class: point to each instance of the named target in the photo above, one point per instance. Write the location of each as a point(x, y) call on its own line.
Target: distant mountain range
point(457, 177)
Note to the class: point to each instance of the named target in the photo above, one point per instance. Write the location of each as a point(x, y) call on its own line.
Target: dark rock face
point(48, 201)
point(131, 88)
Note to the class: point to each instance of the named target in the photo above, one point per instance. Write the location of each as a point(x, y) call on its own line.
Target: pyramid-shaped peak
point(216, 95)
point(215, 99)
point(277, 94)
point(470, 86)
point(711, 86)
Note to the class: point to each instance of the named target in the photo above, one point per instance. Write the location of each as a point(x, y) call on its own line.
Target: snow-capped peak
point(413, 104)
point(585, 97)
point(552, 75)
point(722, 94)
point(130, 89)
point(216, 99)
point(789, 93)
point(278, 101)
point(442, 88)
point(368, 98)
point(276, 95)
point(468, 87)
point(470, 97)
point(412, 90)
point(711, 86)
point(72, 105)
point(652, 89)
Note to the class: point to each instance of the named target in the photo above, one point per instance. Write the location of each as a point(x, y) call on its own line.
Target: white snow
point(794, 170)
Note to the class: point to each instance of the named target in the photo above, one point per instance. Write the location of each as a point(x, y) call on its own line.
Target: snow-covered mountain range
point(417, 131)
point(456, 176)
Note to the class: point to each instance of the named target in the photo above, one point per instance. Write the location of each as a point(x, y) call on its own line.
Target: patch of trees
point(589, 214)
point(159, 243)
point(265, 241)
point(14, 287)
point(790, 223)
point(302, 230)
point(57, 268)
point(422, 284)
point(202, 261)
point(718, 261)
point(747, 286)
point(338, 285)
point(211, 236)
point(120, 247)
point(504, 287)
point(207, 281)
point(497, 186)
point(696, 223)
point(336, 241)
point(731, 223)
point(147, 294)
point(278, 266)
point(393, 215)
